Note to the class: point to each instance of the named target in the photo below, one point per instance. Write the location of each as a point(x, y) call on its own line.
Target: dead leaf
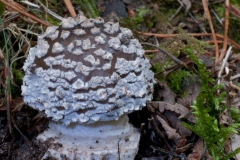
point(101, 6)
point(234, 58)
point(17, 104)
point(183, 148)
point(235, 143)
point(159, 57)
point(177, 124)
point(193, 156)
point(181, 142)
point(191, 89)
point(227, 145)
point(164, 93)
point(207, 60)
point(198, 150)
point(177, 108)
point(171, 132)
point(150, 107)
point(39, 116)
point(223, 118)
point(235, 102)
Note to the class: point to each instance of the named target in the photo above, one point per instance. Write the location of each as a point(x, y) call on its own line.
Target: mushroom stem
point(101, 140)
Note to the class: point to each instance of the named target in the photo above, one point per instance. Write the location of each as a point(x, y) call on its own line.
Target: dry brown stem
point(165, 52)
point(233, 10)
point(235, 45)
point(70, 8)
point(151, 51)
point(226, 23)
point(19, 8)
point(208, 16)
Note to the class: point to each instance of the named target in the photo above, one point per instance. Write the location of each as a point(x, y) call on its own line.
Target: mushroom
point(87, 75)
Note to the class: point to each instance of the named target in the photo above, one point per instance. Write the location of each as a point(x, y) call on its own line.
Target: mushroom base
point(111, 140)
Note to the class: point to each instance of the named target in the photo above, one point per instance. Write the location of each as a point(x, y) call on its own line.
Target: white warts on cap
point(85, 71)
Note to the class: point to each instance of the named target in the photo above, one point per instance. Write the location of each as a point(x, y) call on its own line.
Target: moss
point(206, 110)
point(17, 74)
point(207, 107)
point(136, 21)
point(178, 45)
point(235, 114)
point(88, 7)
point(174, 80)
point(1, 8)
point(157, 68)
point(52, 5)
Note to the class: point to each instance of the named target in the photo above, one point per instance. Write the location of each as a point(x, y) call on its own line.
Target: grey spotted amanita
point(86, 75)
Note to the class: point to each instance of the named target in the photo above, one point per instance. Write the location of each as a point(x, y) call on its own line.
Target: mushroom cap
point(85, 71)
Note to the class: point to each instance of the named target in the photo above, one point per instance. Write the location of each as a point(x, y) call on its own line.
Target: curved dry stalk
point(165, 52)
point(7, 83)
point(226, 23)
point(43, 7)
point(70, 8)
point(151, 51)
point(233, 43)
point(208, 15)
point(22, 38)
point(233, 10)
point(17, 7)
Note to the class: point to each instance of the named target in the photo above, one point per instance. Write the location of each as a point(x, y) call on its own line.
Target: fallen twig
point(215, 14)
point(15, 6)
point(44, 8)
point(233, 10)
point(165, 52)
point(234, 44)
point(151, 51)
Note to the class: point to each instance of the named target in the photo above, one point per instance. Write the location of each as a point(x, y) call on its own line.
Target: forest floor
point(194, 113)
